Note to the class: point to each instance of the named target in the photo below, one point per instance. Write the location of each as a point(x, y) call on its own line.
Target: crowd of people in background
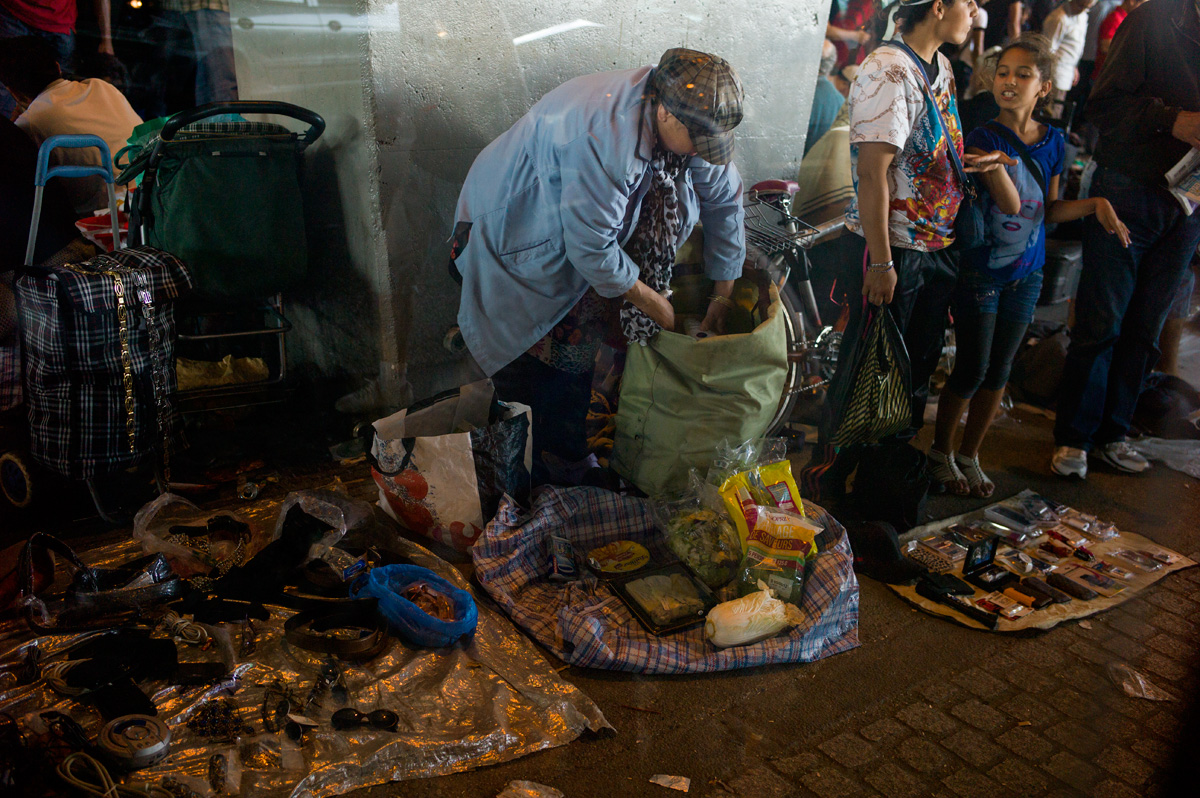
point(1017, 92)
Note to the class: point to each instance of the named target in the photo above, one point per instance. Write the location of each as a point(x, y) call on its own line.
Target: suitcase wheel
point(16, 479)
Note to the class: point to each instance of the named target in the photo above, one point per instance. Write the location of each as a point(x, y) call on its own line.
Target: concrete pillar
point(413, 90)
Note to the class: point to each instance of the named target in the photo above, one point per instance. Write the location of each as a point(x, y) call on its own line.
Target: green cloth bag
point(680, 397)
point(237, 220)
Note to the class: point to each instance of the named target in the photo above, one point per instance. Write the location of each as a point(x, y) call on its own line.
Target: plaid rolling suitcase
point(98, 342)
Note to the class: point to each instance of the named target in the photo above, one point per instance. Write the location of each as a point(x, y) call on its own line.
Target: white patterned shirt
point(888, 104)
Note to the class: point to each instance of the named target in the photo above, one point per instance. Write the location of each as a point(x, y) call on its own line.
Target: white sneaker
point(1123, 457)
point(1069, 462)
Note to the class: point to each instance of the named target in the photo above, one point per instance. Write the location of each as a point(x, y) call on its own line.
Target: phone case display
point(945, 546)
point(1026, 556)
point(1104, 585)
point(980, 569)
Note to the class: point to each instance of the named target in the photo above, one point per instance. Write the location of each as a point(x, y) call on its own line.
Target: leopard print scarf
point(654, 240)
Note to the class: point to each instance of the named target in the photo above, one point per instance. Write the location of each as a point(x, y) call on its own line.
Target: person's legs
point(212, 39)
point(920, 308)
point(1105, 288)
point(1158, 277)
point(171, 44)
point(559, 401)
point(1007, 338)
point(1172, 331)
point(975, 301)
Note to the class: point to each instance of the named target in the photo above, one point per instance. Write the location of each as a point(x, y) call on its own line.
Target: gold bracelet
point(721, 300)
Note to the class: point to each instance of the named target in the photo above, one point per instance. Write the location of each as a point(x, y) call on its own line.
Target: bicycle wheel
point(791, 385)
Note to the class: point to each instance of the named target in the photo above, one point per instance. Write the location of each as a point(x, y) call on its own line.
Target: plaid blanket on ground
point(584, 622)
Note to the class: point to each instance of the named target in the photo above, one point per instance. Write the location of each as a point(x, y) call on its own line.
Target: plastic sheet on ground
point(486, 700)
point(1181, 455)
point(1054, 614)
point(584, 622)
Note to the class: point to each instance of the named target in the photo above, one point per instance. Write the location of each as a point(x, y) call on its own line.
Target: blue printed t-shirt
point(1016, 245)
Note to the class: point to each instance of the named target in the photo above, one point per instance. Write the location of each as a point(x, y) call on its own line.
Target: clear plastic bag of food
point(700, 533)
point(732, 458)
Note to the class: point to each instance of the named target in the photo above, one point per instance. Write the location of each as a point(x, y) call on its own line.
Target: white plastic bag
point(1181, 455)
point(443, 466)
point(152, 529)
point(749, 619)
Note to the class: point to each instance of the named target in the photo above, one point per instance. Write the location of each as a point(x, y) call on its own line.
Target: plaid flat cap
point(703, 92)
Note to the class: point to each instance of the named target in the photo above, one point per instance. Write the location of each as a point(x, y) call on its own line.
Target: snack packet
point(778, 549)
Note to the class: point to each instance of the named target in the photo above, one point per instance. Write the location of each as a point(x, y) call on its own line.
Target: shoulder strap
point(964, 183)
point(1033, 166)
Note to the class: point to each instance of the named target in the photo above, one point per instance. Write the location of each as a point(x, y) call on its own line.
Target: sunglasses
point(350, 718)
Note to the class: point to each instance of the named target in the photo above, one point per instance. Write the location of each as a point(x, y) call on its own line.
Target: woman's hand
point(1108, 218)
point(653, 304)
point(718, 308)
point(987, 162)
point(878, 287)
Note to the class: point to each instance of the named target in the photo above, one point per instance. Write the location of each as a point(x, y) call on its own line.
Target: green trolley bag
point(225, 197)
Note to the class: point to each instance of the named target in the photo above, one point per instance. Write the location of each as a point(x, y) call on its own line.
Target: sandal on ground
point(981, 486)
point(944, 471)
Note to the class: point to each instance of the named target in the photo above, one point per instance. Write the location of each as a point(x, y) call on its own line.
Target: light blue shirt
point(552, 201)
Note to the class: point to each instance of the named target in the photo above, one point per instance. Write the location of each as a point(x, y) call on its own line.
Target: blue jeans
point(204, 39)
point(64, 46)
point(990, 319)
point(1123, 298)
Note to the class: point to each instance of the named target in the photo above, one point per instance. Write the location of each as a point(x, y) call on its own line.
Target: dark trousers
point(559, 401)
point(924, 287)
point(1124, 295)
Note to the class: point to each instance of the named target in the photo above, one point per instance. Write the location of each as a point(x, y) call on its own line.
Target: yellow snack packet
point(780, 545)
point(778, 482)
point(771, 485)
point(740, 504)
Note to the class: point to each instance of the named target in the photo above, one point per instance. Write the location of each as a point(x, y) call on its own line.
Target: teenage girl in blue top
point(999, 283)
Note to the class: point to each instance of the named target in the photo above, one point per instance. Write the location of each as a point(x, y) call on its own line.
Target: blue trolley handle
point(45, 171)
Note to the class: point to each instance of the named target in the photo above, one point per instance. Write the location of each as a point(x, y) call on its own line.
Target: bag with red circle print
point(443, 465)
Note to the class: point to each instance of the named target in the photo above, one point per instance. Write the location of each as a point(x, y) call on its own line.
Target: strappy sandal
point(981, 486)
point(945, 472)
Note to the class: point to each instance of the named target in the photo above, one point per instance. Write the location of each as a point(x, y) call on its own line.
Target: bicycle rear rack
point(772, 230)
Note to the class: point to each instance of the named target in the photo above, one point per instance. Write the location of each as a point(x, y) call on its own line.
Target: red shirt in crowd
point(1108, 29)
point(52, 16)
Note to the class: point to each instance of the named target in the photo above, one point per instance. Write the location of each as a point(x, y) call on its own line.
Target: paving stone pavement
point(1041, 719)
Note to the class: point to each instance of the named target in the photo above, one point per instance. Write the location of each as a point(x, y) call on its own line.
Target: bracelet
point(721, 300)
point(880, 267)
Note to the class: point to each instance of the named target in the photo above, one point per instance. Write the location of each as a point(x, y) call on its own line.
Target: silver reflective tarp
point(489, 700)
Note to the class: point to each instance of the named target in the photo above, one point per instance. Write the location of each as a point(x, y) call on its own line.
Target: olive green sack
point(680, 397)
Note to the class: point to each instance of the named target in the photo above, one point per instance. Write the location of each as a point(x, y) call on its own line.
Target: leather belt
point(324, 631)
